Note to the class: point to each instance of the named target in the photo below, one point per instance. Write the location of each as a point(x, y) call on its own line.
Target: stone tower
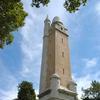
point(55, 81)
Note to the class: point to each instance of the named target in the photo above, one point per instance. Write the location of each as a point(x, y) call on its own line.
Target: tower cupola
point(56, 19)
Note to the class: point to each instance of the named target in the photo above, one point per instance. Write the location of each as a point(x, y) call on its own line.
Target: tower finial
point(47, 19)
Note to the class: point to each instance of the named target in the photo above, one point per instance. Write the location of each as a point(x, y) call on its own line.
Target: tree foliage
point(70, 5)
point(74, 5)
point(12, 17)
point(93, 92)
point(26, 91)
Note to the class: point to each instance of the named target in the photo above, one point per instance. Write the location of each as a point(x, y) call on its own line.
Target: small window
point(62, 40)
point(62, 54)
point(61, 28)
point(63, 70)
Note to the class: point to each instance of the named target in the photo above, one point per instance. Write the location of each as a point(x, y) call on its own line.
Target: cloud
point(82, 82)
point(97, 8)
point(37, 93)
point(86, 77)
point(56, 8)
point(90, 62)
point(8, 83)
point(32, 33)
point(8, 95)
point(31, 41)
point(85, 81)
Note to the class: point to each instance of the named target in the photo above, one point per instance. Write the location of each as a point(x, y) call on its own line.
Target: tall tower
point(55, 81)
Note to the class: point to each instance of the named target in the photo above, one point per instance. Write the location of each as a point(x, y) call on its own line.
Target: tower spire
point(47, 19)
point(46, 25)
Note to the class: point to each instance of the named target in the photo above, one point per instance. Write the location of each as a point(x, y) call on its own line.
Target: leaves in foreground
point(26, 91)
point(70, 5)
point(12, 17)
point(93, 92)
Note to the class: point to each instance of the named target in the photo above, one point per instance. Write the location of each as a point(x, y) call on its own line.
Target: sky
point(22, 59)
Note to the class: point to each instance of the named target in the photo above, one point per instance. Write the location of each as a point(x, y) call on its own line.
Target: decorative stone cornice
point(44, 93)
point(68, 92)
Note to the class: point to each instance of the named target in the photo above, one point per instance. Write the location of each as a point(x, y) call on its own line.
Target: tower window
point(62, 54)
point(62, 40)
point(61, 28)
point(63, 70)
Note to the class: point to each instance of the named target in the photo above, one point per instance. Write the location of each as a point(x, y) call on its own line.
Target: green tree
point(70, 5)
point(26, 91)
point(93, 92)
point(12, 17)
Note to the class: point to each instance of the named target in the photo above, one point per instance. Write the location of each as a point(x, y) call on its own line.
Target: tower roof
point(56, 19)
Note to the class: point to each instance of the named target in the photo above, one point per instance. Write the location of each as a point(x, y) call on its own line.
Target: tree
point(12, 17)
point(70, 5)
point(26, 91)
point(93, 92)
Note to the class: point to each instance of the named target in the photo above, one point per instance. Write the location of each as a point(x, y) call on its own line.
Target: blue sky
point(22, 60)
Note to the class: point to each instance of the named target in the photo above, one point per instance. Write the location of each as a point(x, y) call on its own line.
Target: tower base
point(59, 94)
